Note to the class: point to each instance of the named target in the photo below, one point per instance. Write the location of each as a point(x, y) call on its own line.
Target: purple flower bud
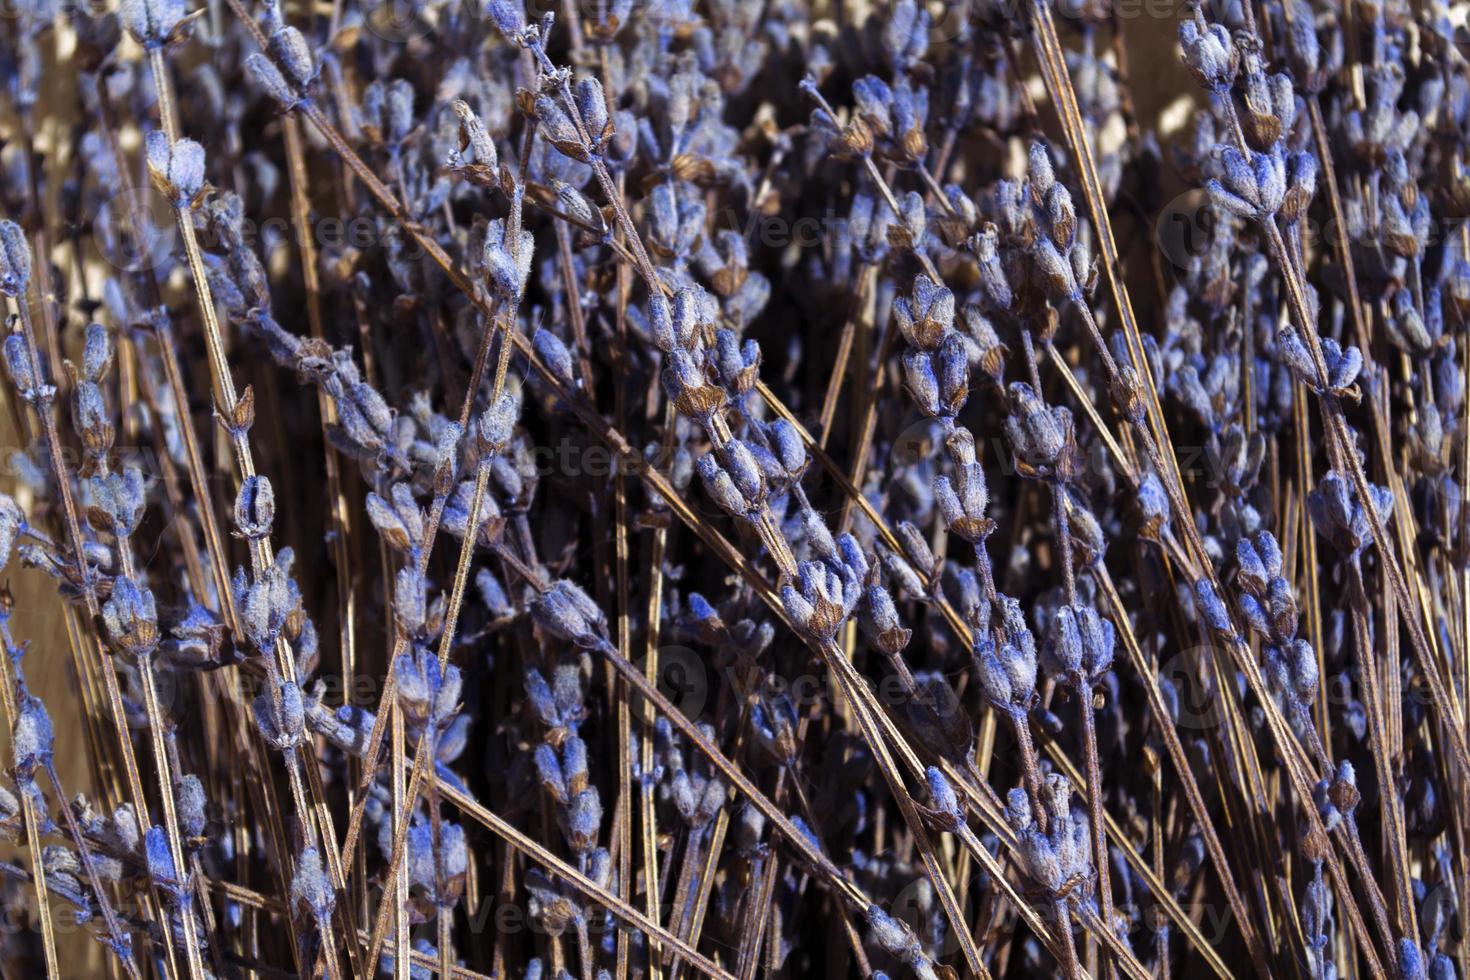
point(893, 935)
point(543, 701)
point(177, 168)
point(954, 374)
point(919, 376)
point(1039, 168)
point(160, 861)
point(268, 78)
point(583, 820)
point(474, 137)
point(556, 356)
point(740, 463)
point(508, 268)
point(575, 205)
point(1209, 53)
point(15, 259)
point(131, 618)
point(719, 485)
point(191, 803)
point(943, 802)
point(311, 890)
point(292, 53)
point(31, 736)
point(96, 352)
point(152, 23)
point(12, 523)
point(255, 507)
point(926, 315)
point(1253, 576)
point(508, 15)
point(879, 619)
point(559, 129)
point(548, 769)
point(1212, 608)
point(593, 108)
point(281, 726)
point(790, 450)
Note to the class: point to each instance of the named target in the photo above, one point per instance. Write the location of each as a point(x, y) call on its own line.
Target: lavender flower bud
point(559, 129)
point(268, 78)
point(583, 820)
point(474, 137)
point(508, 268)
point(556, 356)
point(566, 611)
point(96, 352)
point(1212, 608)
point(292, 53)
point(31, 736)
point(790, 450)
point(1209, 53)
point(944, 805)
point(255, 508)
point(400, 523)
point(720, 487)
point(688, 388)
point(191, 803)
point(15, 259)
point(922, 384)
point(131, 618)
point(177, 169)
point(12, 523)
point(576, 206)
point(281, 726)
point(410, 600)
point(19, 365)
point(160, 861)
point(152, 23)
point(548, 769)
point(311, 890)
point(893, 935)
point(497, 423)
point(740, 463)
point(592, 107)
point(879, 619)
point(926, 315)
point(508, 16)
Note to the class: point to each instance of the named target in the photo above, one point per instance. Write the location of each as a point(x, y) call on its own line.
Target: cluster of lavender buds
point(722, 489)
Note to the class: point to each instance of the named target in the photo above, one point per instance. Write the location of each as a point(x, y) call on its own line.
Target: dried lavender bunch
point(712, 488)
